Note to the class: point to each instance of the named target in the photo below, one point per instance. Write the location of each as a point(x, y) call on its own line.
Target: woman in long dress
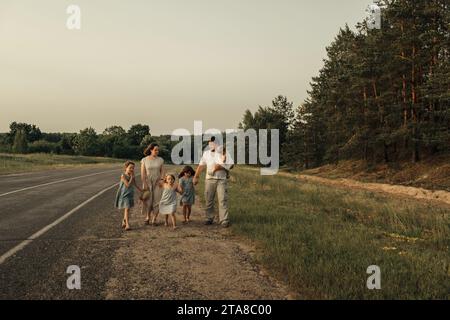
point(152, 173)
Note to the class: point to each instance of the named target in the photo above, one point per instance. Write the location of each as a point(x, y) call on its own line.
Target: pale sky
point(164, 63)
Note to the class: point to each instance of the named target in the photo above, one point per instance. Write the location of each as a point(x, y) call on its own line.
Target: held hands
point(195, 181)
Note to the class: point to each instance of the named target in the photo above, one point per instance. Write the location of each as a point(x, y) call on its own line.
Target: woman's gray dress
point(153, 172)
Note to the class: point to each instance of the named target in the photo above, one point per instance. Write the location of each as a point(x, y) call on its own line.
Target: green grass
point(321, 240)
point(14, 163)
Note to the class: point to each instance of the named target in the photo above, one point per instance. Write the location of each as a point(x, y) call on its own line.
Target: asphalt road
point(29, 204)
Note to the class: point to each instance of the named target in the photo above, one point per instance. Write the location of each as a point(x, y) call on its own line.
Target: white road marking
point(26, 242)
point(54, 182)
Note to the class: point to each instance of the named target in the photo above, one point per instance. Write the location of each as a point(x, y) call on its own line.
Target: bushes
point(5, 146)
point(125, 151)
point(42, 146)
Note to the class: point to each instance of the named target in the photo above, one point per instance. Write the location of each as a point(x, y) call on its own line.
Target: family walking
point(158, 189)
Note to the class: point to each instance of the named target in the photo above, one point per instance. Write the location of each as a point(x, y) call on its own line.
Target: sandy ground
point(193, 262)
point(417, 193)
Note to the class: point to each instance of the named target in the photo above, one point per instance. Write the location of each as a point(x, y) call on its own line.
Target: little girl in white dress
point(168, 203)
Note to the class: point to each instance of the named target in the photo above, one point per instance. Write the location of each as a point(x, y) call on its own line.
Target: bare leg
point(167, 220)
point(146, 212)
point(155, 216)
point(123, 220)
point(126, 218)
point(174, 221)
point(185, 209)
point(189, 209)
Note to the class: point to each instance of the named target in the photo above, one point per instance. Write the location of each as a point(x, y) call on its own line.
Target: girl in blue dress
point(125, 193)
point(187, 191)
point(168, 203)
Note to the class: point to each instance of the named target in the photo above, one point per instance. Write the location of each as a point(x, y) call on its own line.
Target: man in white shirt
point(218, 163)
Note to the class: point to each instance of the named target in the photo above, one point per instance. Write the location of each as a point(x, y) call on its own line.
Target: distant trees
point(67, 143)
point(138, 132)
point(32, 133)
point(86, 143)
point(20, 144)
point(114, 131)
point(164, 142)
point(382, 95)
point(279, 115)
point(114, 141)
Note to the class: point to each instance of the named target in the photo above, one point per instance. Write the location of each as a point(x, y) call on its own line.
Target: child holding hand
point(187, 191)
point(125, 193)
point(168, 203)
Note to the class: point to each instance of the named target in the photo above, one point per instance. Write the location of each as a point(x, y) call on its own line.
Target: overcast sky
point(164, 63)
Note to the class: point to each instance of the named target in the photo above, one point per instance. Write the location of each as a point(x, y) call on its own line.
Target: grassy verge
point(321, 240)
point(15, 163)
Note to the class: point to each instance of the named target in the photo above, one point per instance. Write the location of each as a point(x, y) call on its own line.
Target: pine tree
point(382, 95)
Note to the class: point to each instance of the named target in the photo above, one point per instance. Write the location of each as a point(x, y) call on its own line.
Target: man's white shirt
point(211, 158)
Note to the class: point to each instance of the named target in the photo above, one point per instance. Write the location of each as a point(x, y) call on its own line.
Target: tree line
point(114, 141)
point(381, 96)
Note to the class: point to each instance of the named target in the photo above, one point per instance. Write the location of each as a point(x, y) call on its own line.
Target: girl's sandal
point(127, 228)
point(147, 222)
point(123, 223)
